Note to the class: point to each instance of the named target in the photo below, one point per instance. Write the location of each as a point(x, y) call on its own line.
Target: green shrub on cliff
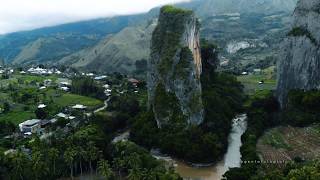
point(167, 35)
point(167, 105)
point(301, 31)
point(183, 67)
point(222, 97)
point(168, 9)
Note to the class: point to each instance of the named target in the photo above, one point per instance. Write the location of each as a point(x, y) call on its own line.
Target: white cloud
point(16, 15)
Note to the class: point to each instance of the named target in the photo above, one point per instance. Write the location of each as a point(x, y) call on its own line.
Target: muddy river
point(231, 159)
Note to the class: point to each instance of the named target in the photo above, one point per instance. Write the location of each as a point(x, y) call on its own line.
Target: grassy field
point(17, 117)
point(72, 99)
point(29, 78)
point(251, 81)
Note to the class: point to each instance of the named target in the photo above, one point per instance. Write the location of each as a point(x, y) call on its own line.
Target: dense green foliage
point(173, 10)
point(301, 31)
point(6, 128)
point(87, 87)
point(209, 52)
point(294, 170)
point(85, 149)
point(303, 108)
point(137, 163)
point(124, 108)
point(204, 143)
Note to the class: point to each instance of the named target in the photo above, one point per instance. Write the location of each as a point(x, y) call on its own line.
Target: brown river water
point(232, 158)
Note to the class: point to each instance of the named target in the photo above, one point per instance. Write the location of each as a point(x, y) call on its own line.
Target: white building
point(106, 86)
point(90, 74)
point(41, 106)
point(64, 88)
point(79, 106)
point(30, 126)
point(100, 77)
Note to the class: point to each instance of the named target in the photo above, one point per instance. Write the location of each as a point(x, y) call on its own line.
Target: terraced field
point(287, 143)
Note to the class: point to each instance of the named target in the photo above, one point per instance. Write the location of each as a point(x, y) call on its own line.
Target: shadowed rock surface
point(299, 63)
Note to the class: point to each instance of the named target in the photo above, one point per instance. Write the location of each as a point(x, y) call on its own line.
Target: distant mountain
point(52, 43)
point(115, 53)
point(205, 8)
point(116, 43)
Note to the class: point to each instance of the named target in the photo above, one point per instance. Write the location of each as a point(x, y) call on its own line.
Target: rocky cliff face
point(299, 64)
point(174, 87)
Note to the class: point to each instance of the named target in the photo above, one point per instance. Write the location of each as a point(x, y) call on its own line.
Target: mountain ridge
point(222, 25)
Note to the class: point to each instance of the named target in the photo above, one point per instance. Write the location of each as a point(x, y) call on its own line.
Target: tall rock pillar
point(174, 87)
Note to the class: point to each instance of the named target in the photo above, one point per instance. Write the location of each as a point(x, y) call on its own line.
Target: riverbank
point(231, 159)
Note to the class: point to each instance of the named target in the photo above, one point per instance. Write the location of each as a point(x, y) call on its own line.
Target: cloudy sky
point(16, 15)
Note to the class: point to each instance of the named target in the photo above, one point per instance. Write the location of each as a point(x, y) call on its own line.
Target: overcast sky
point(16, 15)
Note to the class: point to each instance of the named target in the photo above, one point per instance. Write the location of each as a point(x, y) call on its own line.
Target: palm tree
point(133, 160)
point(69, 157)
point(104, 169)
point(118, 164)
point(93, 153)
point(39, 167)
point(18, 162)
point(135, 174)
point(53, 154)
point(82, 155)
point(149, 174)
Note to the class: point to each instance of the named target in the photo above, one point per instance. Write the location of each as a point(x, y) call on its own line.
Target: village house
point(100, 78)
point(134, 82)
point(66, 89)
point(42, 87)
point(79, 107)
point(41, 106)
point(106, 86)
point(257, 71)
point(30, 126)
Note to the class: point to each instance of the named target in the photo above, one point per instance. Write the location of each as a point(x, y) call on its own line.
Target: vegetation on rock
point(167, 35)
point(208, 141)
point(301, 31)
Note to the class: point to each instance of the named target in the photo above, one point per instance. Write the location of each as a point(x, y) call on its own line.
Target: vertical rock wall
point(174, 87)
point(299, 63)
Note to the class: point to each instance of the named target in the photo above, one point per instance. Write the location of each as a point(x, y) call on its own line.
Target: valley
point(198, 90)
